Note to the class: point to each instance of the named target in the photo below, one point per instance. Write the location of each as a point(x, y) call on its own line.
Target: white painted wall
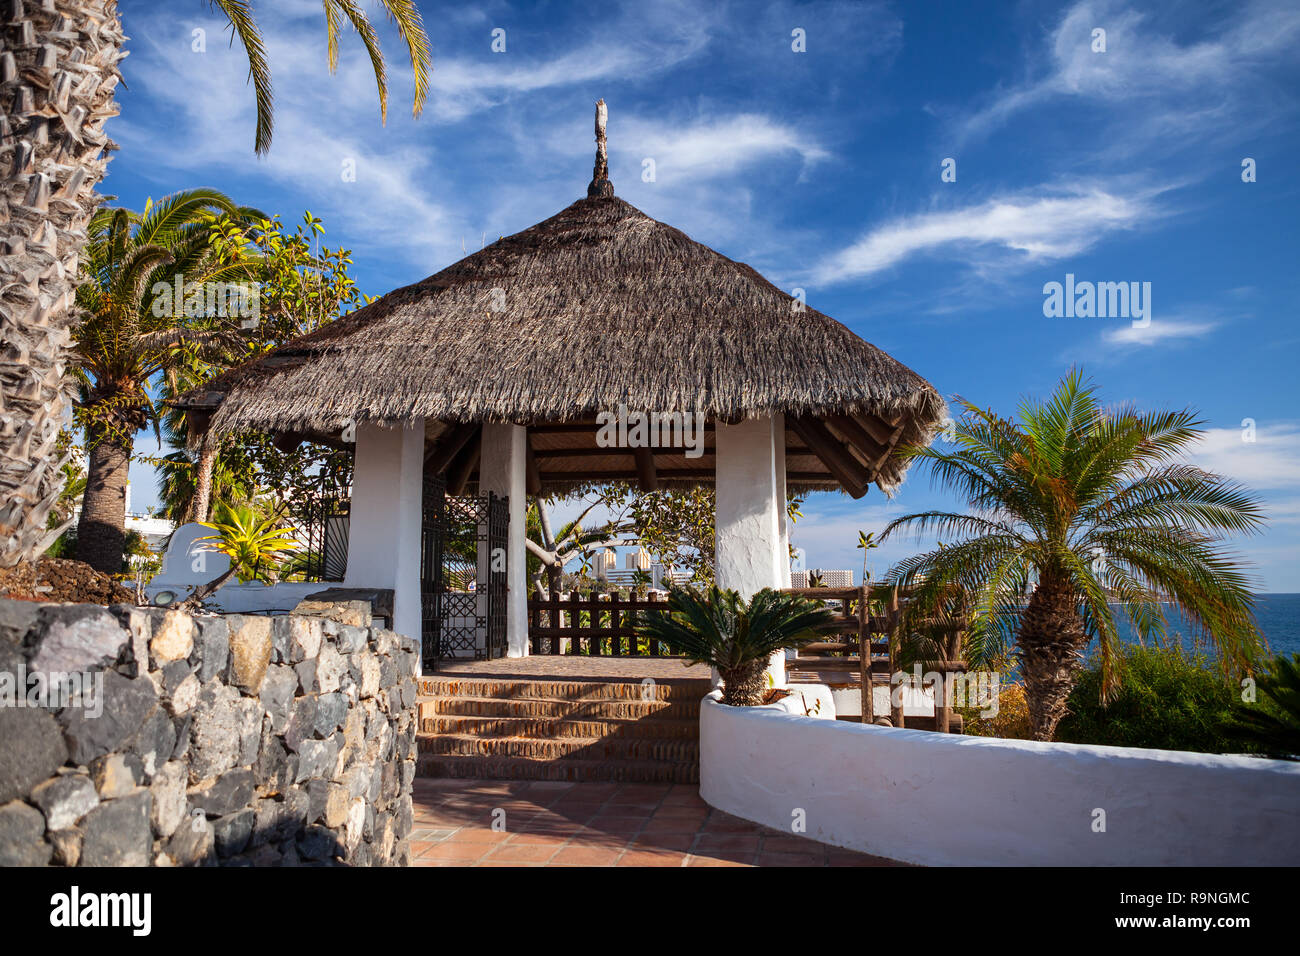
point(751, 541)
point(255, 597)
point(502, 472)
point(942, 799)
point(384, 532)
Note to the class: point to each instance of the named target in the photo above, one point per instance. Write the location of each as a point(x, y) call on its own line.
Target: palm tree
point(58, 66)
point(719, 628)
point(134, 331)
point(1086, 506)
point(1273, 729)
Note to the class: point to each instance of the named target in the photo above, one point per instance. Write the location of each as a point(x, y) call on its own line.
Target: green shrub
point(1167, 699)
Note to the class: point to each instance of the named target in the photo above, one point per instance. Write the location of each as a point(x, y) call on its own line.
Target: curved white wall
point(941, 799)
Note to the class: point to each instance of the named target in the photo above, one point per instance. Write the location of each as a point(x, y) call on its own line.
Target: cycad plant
point(1083, 508)
point(255, 544)
point(721, 629)
point(1272, 723)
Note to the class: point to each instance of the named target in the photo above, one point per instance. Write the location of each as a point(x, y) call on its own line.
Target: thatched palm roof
point(596, 306)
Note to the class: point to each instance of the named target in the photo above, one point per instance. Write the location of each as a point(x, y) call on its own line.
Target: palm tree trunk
point(101, 533)
point(203, 468)
point(1051, 644)
point(58, 72)
point(744, 686)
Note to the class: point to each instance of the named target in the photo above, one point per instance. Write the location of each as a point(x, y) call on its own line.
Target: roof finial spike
point(600, 184)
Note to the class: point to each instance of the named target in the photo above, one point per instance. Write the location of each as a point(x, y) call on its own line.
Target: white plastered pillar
point(751, 538)
point(385, 518)
point(503, 471)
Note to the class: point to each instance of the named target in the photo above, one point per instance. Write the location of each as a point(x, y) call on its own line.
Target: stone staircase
point(547, 729)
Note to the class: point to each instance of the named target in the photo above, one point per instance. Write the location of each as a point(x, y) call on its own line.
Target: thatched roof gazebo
point(523, 349)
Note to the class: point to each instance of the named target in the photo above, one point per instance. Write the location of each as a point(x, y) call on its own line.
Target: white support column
point(503, 471)
point(384, 524)
point(751, 551)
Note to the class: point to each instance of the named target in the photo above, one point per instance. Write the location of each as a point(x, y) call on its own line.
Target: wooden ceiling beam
point(677, 474)
point(532, 474)
point(458, 474)
point(449, 446)
point(570, 428)
point(645, 469)
point(884, 433)
point(857, 438)
point(852, 475)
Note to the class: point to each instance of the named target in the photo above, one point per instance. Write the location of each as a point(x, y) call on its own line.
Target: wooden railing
point(862, 642)
point(599, 627)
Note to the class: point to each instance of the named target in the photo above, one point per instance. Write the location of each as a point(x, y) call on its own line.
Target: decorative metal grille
point(462, 574)
point(323, 532)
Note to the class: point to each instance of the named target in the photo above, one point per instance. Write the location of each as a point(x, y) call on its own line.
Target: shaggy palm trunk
point(744, 686)
point(1051, 644)
point(203, 468)
point(58, 73)
point(101, 533)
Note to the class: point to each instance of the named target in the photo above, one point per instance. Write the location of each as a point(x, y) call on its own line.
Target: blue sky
point(822, 169)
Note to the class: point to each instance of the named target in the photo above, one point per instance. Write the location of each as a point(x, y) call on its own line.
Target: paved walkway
point(597, 824)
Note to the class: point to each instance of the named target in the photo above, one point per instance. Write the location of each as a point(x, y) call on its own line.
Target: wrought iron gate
point(463, 560)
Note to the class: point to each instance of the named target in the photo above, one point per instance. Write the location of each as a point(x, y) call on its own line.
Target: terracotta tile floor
point(597, 824)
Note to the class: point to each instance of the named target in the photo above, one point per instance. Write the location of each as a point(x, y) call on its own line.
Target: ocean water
point(1278, 616)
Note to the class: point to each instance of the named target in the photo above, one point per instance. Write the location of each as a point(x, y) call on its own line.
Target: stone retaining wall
point(202, 739)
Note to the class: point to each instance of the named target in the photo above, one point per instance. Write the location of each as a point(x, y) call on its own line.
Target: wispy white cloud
point(1270, 461)
point(1031, 226)
point(1157, 332)
point(717, 145)
point(1141, 64)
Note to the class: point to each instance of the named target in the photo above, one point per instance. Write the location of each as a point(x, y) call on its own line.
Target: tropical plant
point(866, 543)
point(721, 629)
point(145, 314)
point(1088, 505)
point(232, 479)
point(255, 544)
point(303, 285)
point(1272, 723)
point(61, 61)
point(1170, 699)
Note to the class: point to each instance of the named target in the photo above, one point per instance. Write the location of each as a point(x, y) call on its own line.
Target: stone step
point(576, 771)
point(531, 707)
point(660, 728)
point(562, 748)
point(649, 690)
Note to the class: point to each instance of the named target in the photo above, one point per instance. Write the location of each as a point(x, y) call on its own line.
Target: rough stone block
point(173, 636)
point(216, 732)
point(169, 803)
point(278, 689)
point(65, 799)
point(230, 792)
point(22, 832)
point(250, 652)
point(214, 645)
point(31, 749)
point(78, 638)
point(116, 833)
point(230, 834)
point(125, 704)
point(116, 775)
